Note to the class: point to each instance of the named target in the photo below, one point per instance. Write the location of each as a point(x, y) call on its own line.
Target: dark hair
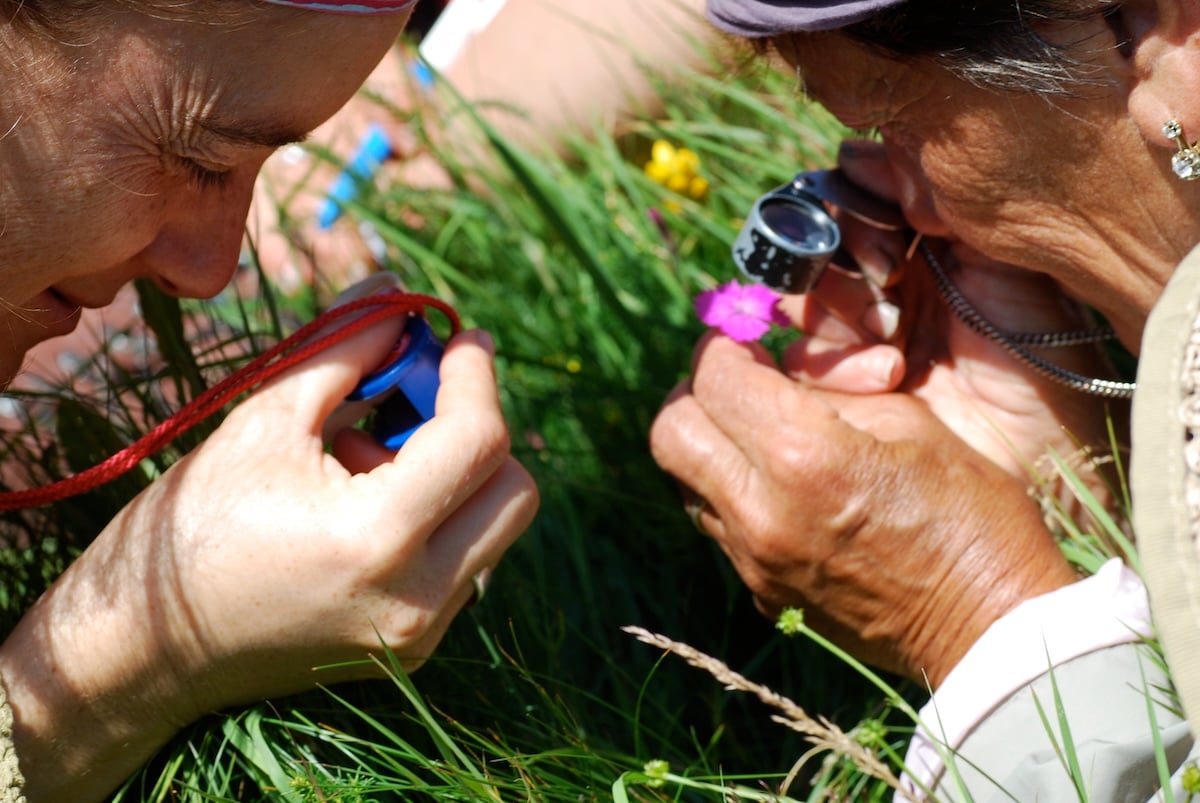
point(35, 12)
point(994, 43)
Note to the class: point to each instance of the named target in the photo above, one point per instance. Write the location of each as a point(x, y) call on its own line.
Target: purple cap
point(758, 18)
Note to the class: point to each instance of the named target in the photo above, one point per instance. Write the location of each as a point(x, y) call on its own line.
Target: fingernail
point(884, 370)
point(882, 320)
point(369, 286)
point(877, 265)
point(480, 338)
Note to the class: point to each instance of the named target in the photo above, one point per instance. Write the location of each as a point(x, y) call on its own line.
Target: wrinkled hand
point(900, 541)
point(891, 332)
point(262, 556)
point(878, 477)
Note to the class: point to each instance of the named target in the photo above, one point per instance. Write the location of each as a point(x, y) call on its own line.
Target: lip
point(53, 312)
point(78, 302)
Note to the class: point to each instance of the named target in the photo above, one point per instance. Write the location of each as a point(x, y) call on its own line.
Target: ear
point(1165, 64)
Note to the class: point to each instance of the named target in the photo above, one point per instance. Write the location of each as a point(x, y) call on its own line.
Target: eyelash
point(204, 178)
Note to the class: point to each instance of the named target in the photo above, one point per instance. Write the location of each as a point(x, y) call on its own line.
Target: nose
point(196, 250)
point(914, 192)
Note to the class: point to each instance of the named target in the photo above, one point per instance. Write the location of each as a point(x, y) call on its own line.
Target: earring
point(1186, 161)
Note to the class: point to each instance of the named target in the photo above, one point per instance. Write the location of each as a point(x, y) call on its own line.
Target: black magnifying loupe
point(790, 237)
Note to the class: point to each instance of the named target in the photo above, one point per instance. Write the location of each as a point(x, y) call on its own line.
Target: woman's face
point(1065, 186)
point(133, 153)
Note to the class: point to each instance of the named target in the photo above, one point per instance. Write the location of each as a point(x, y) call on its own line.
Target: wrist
point(990, 587)
point(90, 698)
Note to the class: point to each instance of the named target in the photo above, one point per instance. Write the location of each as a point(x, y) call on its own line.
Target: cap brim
point(760, 18)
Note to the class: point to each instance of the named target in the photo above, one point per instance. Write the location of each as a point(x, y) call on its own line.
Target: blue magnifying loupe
point(405, 387)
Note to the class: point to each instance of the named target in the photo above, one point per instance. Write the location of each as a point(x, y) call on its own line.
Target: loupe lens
point(787, 240)
point(801, 224)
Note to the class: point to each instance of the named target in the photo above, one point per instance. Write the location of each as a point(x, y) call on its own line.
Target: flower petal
point(744, 329)
point(743, 312)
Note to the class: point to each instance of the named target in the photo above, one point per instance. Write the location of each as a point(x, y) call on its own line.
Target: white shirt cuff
point(1109, 608)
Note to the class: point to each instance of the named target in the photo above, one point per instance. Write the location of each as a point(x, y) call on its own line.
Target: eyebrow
point(250, 134)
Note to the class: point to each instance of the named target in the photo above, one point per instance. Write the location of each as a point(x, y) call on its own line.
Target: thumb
point(317, 386)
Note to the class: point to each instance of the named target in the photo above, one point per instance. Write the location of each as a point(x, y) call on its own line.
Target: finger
point(469, 544)
point(468, 375)
point(414, 654)
point(747, 400)
point(708, 522)
point(454, 453)
point(758, 352)
point(880, 254)
point(845, 309)
point(312, 390)
point(689, 446)
point(358, 451)
point(844, 368)
point(381, 282)
point(476, 536)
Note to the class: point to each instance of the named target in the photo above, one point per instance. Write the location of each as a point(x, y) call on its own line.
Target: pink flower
point(743, 312)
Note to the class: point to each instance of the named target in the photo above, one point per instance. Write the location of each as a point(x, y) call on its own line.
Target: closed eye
point(204, 178)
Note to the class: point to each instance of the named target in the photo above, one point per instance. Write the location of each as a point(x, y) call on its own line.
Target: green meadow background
point(584, 269)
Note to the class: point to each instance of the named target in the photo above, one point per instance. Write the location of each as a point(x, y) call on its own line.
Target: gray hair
point(991, 43)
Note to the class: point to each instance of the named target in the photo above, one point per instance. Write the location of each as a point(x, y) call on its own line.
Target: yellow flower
point(677, 169)
point(659, 172)
point(662, 152)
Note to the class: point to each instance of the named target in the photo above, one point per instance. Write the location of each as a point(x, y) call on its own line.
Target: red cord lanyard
point(285, 354)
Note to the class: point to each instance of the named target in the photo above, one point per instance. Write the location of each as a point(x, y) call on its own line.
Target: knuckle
point(766, 548)
point(526, 487)
point(661, 437)
point(407, 626)
point(492, 436)
point(790, 462)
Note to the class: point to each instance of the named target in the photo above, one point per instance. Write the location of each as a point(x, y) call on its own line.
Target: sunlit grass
point(538, 693)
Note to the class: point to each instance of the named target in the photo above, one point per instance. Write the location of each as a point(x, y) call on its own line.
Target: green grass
point(536, 694)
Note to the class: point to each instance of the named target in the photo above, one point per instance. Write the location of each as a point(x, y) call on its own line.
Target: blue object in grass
point(422, 73)
point(407, 385)
point(374, 148)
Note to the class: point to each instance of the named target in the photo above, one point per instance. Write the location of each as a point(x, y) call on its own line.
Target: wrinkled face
point(1064, 186)
point(133, 153)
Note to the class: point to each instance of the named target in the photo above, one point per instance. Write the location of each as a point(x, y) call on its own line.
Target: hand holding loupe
point(401, 394)
point(790, 235)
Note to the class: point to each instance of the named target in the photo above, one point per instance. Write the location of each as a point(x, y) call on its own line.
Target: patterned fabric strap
point(11, 779)
point(349, 6)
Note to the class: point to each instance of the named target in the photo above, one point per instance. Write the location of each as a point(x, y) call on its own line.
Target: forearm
point(592, 62)
point(593, 65)
point(88, 708)
point(993, 689)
